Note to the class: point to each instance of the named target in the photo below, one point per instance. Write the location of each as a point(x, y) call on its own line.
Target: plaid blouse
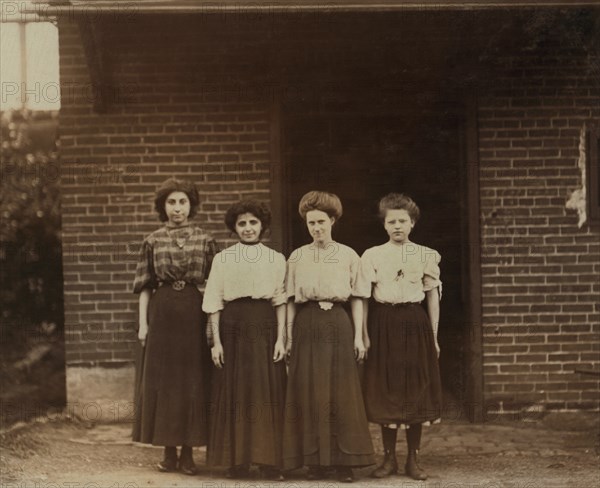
point(172, 254)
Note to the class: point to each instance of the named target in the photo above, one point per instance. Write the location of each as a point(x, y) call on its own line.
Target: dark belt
point(176, 285)
point(402, 304)
point(250, 299)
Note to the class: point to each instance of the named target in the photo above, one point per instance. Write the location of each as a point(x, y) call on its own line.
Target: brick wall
point(540, 271)
point(193, 98)
point(170, 112)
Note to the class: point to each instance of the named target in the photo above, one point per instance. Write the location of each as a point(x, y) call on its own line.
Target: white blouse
point(327, 273)
point(240, 271)
point(400, 274)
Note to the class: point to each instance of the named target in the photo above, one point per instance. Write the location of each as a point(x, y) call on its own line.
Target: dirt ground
point(550, 452)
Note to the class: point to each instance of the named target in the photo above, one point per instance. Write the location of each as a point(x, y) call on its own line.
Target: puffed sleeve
point(431, 271)
point(361, 288)
point(290, 279)
point(366, 275)
point(215, 288)
point(145, 277)
point(280, 296)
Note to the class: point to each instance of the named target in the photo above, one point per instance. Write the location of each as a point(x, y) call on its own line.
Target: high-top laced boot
point(186, 461)
point(390, 464)
point(413, 439)
point(169, 462)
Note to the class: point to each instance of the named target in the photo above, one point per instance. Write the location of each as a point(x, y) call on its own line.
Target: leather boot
point(271, 473)
point(390, 464)
point(169, 462)
point(412, 467)
point(344, 474)
point(388, 467)
point(238, 472)
point(186, 461)
point(315, 473)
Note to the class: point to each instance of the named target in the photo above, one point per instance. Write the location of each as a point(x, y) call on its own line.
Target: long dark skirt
point(325, 421)
point(402, 379)
point(173, 394)
point(249, 392)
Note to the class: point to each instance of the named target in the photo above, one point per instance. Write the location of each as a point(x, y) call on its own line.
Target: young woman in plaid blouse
point(173, 391)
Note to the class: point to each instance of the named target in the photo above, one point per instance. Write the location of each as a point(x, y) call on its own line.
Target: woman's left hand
point(218, 356)
point(279, 352)
point(359, 349)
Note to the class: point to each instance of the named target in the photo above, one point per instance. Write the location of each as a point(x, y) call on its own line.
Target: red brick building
point(485, 116)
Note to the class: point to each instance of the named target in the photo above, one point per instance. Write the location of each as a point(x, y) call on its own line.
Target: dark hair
point(256, 208)
point(320, 200)
point(171, 185)
point(398, 201)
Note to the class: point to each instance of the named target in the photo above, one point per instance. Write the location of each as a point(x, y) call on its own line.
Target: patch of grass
point(23, 442)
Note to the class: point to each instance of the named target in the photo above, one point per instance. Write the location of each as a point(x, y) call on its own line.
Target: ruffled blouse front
point(327, 273)
point(240, 271)
point(400, 274)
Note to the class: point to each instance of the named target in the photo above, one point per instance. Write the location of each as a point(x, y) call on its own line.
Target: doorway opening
point(361, 152)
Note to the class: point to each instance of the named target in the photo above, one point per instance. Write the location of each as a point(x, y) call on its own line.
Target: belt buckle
point(325, 305)
point(178, 285)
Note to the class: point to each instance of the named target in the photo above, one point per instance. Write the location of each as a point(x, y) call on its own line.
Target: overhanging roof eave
point(282, 6)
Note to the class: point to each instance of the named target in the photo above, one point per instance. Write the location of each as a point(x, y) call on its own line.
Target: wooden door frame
point(279, 182)
point(282, 212)
point(474, 405)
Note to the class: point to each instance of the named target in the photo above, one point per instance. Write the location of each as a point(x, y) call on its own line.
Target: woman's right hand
point(367, 344)
point(279, 352)
point(218, 356)
point(142, 333)
point(359, 349)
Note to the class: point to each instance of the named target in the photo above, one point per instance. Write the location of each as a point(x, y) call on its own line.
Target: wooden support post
point(474, 336)
point(91, 37)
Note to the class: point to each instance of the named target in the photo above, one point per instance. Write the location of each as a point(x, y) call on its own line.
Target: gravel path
point(66, 454)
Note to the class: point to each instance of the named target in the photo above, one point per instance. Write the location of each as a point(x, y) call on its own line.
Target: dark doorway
point(362, 152)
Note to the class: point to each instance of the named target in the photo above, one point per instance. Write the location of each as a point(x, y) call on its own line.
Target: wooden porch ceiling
point(489, 31)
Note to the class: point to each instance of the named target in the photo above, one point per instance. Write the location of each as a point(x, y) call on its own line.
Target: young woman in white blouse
point(325, 423)
point(245, 300)
point(402, 379)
